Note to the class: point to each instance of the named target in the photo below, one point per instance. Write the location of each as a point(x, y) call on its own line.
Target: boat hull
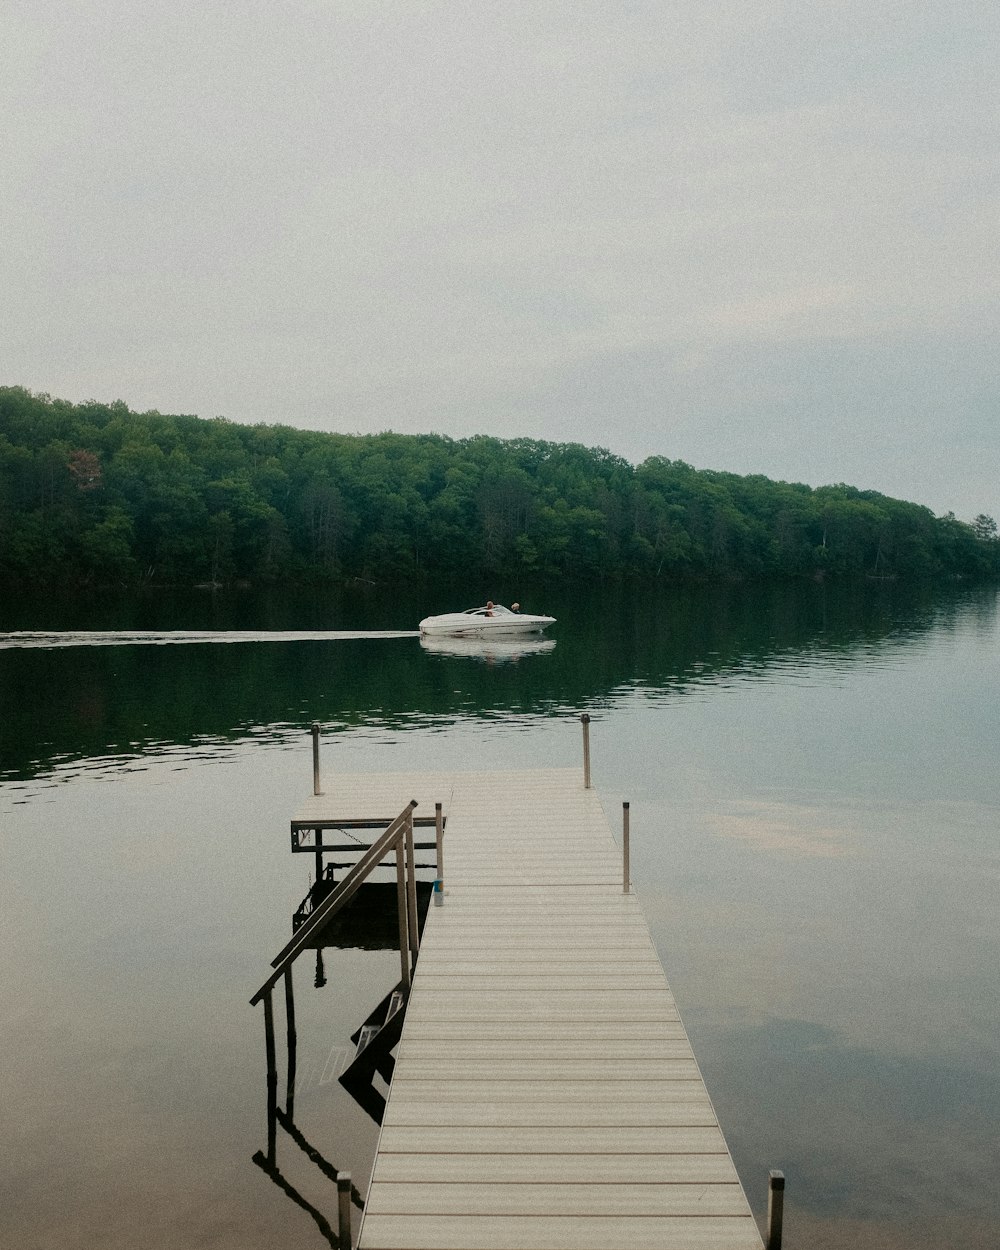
point(503, 624)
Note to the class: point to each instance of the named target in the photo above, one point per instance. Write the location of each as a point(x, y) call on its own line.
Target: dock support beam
point(272, 1081)
point(344, 1210)
point(625, 862)
point(439, 838)
point(585, 722)
point(775, 1208)
point(411, 890)
point(292, 1040)
point(404, 928)
point(315, 738)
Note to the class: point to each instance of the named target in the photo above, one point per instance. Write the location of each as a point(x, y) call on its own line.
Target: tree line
point(95, 493)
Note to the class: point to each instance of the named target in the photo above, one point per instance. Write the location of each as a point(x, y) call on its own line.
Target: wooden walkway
point(545, 1093)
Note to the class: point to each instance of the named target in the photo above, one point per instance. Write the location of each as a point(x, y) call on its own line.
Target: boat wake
point(168, 637)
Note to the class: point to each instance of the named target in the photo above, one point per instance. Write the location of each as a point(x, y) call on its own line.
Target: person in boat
point(489, 607)
point(515, 607)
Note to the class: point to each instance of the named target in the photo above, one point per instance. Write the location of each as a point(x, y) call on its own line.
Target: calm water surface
point(815, 801)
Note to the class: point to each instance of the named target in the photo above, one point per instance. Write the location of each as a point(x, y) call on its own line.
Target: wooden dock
point(545, 1093)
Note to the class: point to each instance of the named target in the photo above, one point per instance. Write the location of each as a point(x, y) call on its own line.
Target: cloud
point(661, 228)
point(789, 828)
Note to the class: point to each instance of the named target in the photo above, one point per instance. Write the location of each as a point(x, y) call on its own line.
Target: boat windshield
point(497, 610)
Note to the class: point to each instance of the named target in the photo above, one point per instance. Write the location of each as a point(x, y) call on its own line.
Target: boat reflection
point(489, 650)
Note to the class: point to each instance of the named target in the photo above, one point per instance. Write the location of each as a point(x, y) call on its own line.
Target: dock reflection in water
point(368, 921)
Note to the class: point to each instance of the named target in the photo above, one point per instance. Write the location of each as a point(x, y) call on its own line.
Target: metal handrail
point(335, 901)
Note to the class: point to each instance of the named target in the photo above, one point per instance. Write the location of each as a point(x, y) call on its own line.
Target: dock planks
point(545, 1095)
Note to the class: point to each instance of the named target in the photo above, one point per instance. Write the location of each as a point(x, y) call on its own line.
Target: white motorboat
point(492, 620)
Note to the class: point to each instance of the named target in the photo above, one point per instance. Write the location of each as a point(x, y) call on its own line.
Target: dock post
point(625, 863)
point(439, 835)
point(411, 888)
point(292, 1040)
point(344, 1210)
point(585, 722)
point(404, 934)
point(315, 738)
point(272, 1081)
point(775, 1208)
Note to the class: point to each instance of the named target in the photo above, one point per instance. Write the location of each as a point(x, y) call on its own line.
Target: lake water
point(814, 794)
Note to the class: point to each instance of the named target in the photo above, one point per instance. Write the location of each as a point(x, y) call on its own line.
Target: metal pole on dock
point(315, 738)
point(272, 1081)
point(292, 1040)
point(344, 1210)
point(404, 936)
point(411, 888)
point(775, 1208)
point(439, 835)
point(585, 722)
point(625, 865)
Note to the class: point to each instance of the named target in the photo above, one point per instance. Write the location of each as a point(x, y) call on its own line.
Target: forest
point(94, 494)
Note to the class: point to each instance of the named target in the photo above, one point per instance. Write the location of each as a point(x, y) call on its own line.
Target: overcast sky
point(754, 235)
